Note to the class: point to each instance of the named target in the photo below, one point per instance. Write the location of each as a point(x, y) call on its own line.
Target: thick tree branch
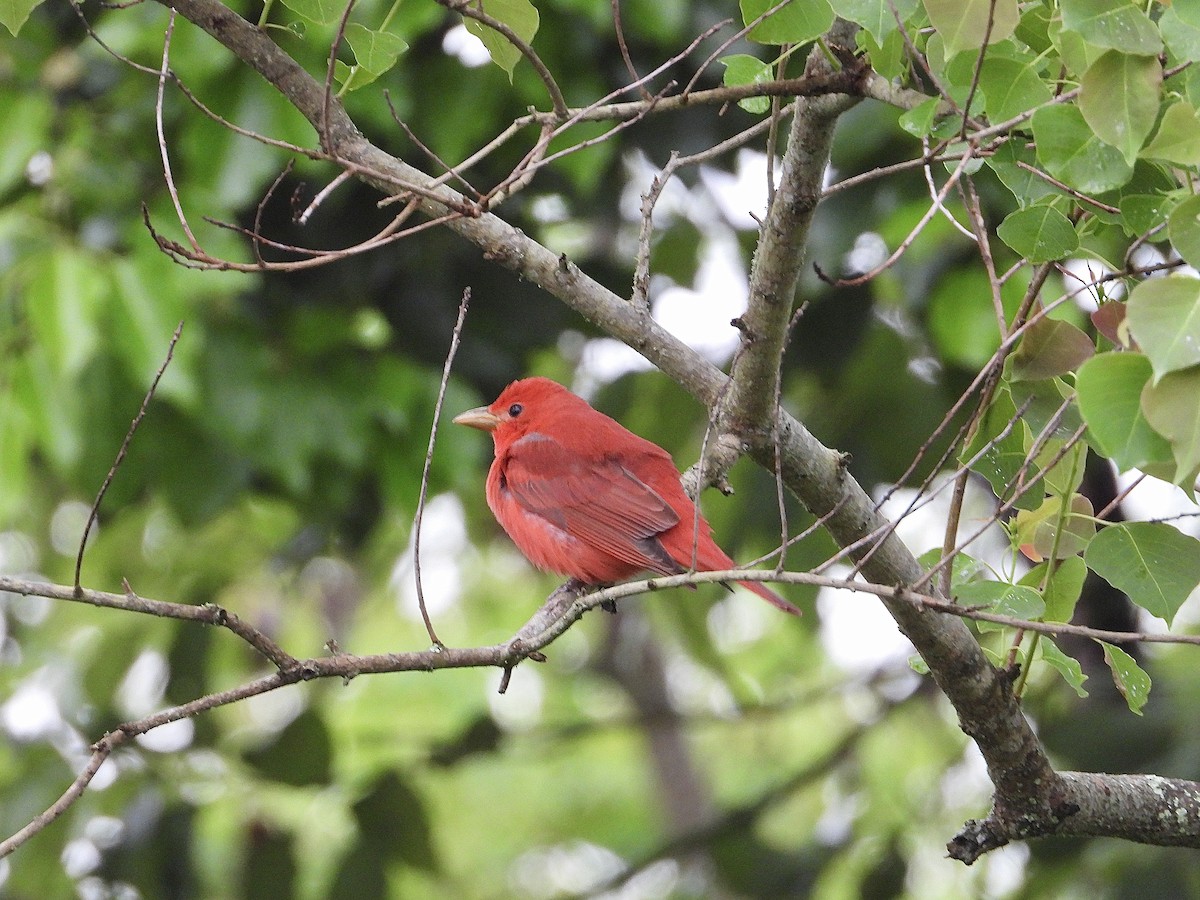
point(779, 257)
point(1144, 808)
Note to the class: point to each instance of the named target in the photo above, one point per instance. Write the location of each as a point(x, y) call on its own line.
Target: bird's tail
point(711, 558)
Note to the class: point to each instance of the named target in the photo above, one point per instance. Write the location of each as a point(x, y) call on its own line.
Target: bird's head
point(522, 408)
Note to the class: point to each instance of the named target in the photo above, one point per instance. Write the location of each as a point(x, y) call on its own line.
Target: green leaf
point(1050, 531)
point(1050, 347)
point(1180, 27)
point(269, 863)
point(1025, 185)
point(796, 23)
point(1184, 230)
point(1063, 589)
point(1116, 24)
point(874, 15)
point(1154, 563)
point(1076, 53)
point(917, 663)
point(1012, 87)
point(1014, 600)
point(519, 15)
point(1163, 315)
point(323, 12)
point(1072, 152)
point(16, 440)
point(1066, 666)
point(1041, 404)
point(394, 823)
point(375, 52)
point(144, 316)
point(920, 120)
point(1061, 467)
point(964, 570)
point(1034, 28)
point(1109, 387)
point(1003, 459)
point(963, 24)
point(1131, 680)
point(51, 407)
point(1142, 212)
point(1119, 100)
point(13, 13)
point(889, 58)
point(742, 69)
point(1178, 137)
point(1039, 233)
point(962, 319)
point(1172, 408)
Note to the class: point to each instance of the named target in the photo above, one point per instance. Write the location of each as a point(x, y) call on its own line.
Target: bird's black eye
point(515, 410)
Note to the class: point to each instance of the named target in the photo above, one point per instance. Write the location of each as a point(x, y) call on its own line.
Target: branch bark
point(1028, 791)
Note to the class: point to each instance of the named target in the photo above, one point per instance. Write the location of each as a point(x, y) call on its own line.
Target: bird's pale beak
point(480, 417)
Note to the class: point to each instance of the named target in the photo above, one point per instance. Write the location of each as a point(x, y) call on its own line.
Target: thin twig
point(912, 235)
point(330, 68)
point(919, 162)
point(341, 178)
point(1067, 189)
point(731, 40)
point(448, 169)
point(475, 11)
point(162, 136)
point(987, 36)
point(455, 337)
point(112, 471)
point(539, 632)
point(970, 198)
point(624, 48)
point(927, 171)
point(87, 26)
point(62, 804)
point(256, 232)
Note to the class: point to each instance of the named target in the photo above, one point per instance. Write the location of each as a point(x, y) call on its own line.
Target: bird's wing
point(594, 498)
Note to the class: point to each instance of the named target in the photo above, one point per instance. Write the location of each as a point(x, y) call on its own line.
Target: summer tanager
point(583, 496)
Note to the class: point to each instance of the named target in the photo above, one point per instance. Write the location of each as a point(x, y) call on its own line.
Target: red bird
point(583, 496)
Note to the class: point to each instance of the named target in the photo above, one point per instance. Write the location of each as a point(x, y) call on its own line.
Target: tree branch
point(1026, 785)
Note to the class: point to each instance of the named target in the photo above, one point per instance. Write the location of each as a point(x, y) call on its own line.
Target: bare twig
point(624, 48)
point(448, 169)
point(455, 337)
point(1067, 189)
point(330, 68)
point(475, 11)
point(39, 822)
point(162, 136)
point(206, 614)
point(974, 208)
point(730, 41)
point(927, 171)
point(112, 471)
point(337, 182)
point(987, 37)
point(912, 235)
